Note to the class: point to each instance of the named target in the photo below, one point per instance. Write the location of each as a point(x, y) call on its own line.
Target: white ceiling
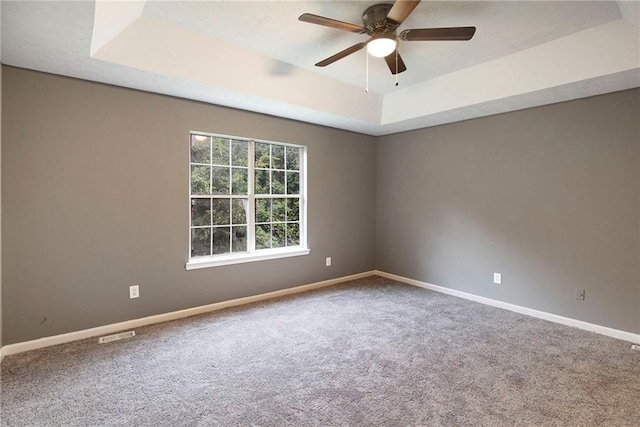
point(257, 56)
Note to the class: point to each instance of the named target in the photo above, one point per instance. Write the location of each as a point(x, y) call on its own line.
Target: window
point(247, 200)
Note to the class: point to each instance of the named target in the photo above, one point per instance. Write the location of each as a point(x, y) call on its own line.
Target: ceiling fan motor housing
point(375, 19)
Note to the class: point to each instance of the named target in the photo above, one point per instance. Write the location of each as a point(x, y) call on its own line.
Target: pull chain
point(396, 67)
point(367, 74)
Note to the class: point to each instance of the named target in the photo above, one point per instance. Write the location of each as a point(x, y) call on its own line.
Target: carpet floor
point(367, 352)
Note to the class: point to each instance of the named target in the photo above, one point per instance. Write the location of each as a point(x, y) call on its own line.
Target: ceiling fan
point(381, 22)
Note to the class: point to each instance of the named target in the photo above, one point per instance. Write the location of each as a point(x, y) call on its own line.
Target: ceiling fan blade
point(333, 23)
point(391, 62)
point(401, 9)
point(340, 55)
point(456, 33)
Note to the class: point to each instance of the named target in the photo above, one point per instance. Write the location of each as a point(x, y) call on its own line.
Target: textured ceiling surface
point(268, 58)
point(273, 29)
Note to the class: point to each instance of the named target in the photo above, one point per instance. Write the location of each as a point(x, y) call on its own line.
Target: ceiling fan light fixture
point(382, 46)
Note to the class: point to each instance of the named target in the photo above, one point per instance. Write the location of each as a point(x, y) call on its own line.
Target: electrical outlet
point(497, 278)
point(580, 294)
point(134, 291)
point(328, 261)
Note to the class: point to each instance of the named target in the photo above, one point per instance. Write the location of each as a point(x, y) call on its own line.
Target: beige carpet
point(370, 352)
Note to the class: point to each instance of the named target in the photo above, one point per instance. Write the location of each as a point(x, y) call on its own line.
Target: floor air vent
point(116, 337)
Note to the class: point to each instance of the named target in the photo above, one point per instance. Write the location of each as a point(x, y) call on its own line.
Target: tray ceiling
point(257, 56)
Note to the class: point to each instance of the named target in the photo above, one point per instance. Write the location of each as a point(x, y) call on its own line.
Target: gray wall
point(95, 198)
point(0, 204)
point(549, 197)
point(0, 177)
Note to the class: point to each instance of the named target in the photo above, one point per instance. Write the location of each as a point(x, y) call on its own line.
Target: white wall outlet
point(497, 278)
point(328, 261)
point(134, 291)
point(580, 294)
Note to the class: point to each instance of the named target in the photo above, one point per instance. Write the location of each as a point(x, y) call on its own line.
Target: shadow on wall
point(281, 69)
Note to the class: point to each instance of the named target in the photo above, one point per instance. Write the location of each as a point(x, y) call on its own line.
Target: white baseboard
point(602, 330)
point(165, 317)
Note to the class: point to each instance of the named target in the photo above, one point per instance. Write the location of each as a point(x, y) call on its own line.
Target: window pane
point(293, 183)
point(239, 153)
point(262, 155)
point(200, 149)
point(200, 212)
point(240, 181)
point(293, 234)
point(220, 208)
point(263, 210)
point(277, 156)
point(293, 158)
point(200, 179)
point(200, 241)
point(279, 206)
point(293, 209)
point(221, 242)
point(219, 171)
point(277, 182)
point(263, 236)
point(278, 240)
point(220, 151)
point(239, 211)
point(239, 239)
point(220, 181)
point(262, 182)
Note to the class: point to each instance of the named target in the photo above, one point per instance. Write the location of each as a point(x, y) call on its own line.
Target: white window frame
point(253, 254)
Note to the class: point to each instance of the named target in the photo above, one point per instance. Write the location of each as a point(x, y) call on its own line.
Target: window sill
point(217, 261)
